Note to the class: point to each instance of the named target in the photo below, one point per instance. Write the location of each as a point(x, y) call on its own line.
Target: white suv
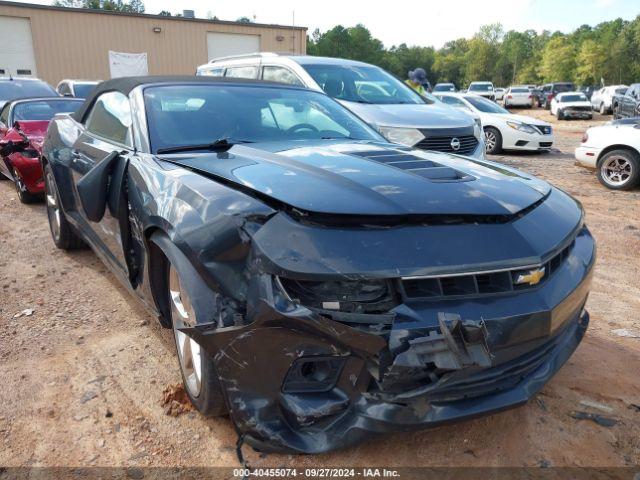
point(484, 89)
point(379, 98)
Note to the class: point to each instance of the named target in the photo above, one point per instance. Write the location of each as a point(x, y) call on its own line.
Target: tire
point(23, 194)
point(64, 237)
point(201, 383)
point(560, 115)
point(590, 117)
point(615, 111)
point(602, 110)
point(619, 169)
point(493, 140)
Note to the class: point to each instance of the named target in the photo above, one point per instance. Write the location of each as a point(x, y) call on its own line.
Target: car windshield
point(520, 90)
point(362, 84)
point(12, 89)
point(444, 87)
point(183, 115)
point(573, 98)
point(484, 105)
point(480, 87)
point(44, 109)
point(621, 91)
point(82, 90)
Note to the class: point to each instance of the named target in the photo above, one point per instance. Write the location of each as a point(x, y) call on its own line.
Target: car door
point(629, 101)
point(108, 129)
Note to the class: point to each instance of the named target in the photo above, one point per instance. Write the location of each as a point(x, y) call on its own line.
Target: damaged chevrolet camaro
point(322, 284)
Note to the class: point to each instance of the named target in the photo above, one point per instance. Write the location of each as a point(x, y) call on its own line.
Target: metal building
point(55, 43)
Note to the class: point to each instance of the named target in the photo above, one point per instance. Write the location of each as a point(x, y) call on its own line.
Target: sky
point(424, 23)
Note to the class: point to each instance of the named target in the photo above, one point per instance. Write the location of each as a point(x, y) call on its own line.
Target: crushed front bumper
point(529, 335)
point(579, 114)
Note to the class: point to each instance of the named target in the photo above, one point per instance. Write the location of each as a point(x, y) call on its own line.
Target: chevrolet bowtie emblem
point(532, 277)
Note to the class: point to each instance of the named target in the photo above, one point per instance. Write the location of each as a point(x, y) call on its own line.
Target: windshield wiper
point(220, 145)
point(339, 137)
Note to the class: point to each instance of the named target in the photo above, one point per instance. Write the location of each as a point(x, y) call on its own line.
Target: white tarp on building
point(127, 64)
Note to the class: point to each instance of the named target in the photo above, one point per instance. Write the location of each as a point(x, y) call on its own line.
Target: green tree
point(131, 6)
point(399, 60)
point(590, 63)
point(355, 43)
point(558, 59)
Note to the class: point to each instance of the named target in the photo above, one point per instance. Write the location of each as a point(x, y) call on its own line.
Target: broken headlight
point(352, 296)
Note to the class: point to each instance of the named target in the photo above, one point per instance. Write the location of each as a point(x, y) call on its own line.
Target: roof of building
point(144, 15)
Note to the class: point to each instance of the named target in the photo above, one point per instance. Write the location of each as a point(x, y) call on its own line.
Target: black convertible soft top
point(124, 85)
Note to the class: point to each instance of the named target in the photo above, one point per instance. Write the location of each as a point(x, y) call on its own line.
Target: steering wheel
point(302, 126)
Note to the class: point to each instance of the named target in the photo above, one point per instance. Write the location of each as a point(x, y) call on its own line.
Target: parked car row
point(26, 107)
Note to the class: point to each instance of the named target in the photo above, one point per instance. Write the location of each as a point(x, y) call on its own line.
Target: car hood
point(356, 178)
point(522, 119)
point(411, 115)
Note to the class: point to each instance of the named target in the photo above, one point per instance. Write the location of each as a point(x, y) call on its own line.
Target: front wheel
point(619, 170)
point(603, 110)
point(560, 115)
point(64, 237)
point(492, 140)
point(23, 194)
point(199, 375)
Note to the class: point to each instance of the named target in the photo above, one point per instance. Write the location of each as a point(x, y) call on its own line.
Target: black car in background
point(20, 87)
point(627, 104)
point(550, 90)
point(322, 284)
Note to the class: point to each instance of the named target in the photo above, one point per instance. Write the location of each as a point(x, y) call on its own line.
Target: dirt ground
point(82, 376)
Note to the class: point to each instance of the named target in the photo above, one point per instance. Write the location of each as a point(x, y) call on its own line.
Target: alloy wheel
point(53, 206)
point(189, 352)
point(616, 171)
point(20, 186)
point(490, 140)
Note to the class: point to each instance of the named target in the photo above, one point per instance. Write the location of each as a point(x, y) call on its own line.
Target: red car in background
point(23, 126)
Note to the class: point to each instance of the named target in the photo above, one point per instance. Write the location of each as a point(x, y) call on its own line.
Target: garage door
point(224, 44)
point(16, 47)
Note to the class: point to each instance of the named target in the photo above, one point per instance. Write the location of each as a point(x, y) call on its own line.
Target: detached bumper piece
point(458, 345)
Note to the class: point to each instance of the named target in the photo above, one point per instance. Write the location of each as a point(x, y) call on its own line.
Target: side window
point(213, 72)
point(242, 72)
point(63, 89)
point(110, 118)
point(280, 74)
point(4, 115)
